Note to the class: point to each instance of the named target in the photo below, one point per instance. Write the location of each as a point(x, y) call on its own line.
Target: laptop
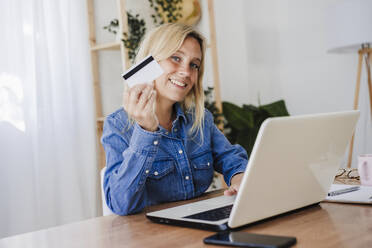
point(292, 165)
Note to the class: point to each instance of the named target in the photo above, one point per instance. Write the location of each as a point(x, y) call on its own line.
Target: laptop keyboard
point(213, 215)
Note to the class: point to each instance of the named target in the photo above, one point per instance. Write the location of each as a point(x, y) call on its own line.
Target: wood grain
point(324, 225)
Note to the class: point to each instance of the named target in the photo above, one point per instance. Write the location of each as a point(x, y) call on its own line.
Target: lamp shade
point(349, 25)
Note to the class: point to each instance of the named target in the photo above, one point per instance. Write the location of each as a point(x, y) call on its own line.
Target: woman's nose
point(184, 70)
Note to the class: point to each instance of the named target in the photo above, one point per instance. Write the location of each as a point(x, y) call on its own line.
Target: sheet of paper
point(363, 195)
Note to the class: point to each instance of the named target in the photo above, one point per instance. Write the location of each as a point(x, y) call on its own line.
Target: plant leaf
point(277, 108)
point(237, 117)
point(242, 133)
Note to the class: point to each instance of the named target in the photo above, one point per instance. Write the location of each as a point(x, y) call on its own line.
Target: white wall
point(277, 50)
point(267, 50)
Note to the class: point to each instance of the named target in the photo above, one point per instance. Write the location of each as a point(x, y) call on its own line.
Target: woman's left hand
point(235, 184)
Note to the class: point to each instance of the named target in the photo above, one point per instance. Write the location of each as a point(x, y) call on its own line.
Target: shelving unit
point(95, 49)
point(123, 27)
point(108, 46)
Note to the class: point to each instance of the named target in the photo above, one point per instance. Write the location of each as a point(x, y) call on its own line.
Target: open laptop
point(292, 165)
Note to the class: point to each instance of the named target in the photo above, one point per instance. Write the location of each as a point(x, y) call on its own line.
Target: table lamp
point(350, 31)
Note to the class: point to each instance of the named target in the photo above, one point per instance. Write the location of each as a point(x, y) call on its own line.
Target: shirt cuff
point(237, 172)
point(240, 169)
point(143, 140)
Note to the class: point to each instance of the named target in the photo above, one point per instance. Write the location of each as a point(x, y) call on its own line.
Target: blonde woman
point(163, 145)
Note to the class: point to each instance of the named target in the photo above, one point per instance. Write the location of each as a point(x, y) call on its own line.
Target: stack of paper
point(362, 195)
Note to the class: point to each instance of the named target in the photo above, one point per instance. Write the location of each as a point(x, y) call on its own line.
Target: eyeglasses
point(348, 173)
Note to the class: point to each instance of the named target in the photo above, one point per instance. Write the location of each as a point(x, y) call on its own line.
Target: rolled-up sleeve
point(128, 160)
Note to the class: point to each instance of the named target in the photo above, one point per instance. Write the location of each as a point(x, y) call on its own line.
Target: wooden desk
point(325, 225)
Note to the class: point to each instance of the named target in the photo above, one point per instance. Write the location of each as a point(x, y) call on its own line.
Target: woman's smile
point(178, 83)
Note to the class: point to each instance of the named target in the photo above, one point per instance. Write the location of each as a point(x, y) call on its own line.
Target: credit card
point(144, 71)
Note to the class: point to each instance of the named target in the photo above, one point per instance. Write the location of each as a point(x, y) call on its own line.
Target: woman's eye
point(176, 58)
point(194, 66)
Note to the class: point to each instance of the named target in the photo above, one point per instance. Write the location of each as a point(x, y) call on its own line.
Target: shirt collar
point(179, 112)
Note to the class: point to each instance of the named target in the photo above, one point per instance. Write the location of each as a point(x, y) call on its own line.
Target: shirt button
point(208, 164)
point(156, 173)
point(187, 177)
point(156, 142)
point(175, 129)
point(180, 151)
point(147, 171)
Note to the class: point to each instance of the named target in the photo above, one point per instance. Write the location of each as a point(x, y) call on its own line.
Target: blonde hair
point(164, 41)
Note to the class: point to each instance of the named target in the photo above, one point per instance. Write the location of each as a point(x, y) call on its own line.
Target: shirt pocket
point(202, 165)
point(161, 168)
point(161, 183)
point(202, 160)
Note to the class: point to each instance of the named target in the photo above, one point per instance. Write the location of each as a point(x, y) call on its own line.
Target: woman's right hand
point(139, 103)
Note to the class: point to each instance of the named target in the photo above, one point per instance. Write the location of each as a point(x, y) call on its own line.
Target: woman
point(163, 146)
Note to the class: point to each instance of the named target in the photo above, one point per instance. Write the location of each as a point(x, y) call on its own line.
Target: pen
point(343, 191)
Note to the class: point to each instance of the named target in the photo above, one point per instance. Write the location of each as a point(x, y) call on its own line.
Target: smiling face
point(181, 72)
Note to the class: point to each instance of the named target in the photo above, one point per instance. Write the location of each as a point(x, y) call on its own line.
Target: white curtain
point(48, 172)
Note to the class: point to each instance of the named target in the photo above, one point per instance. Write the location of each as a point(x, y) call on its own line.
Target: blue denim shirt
point(146, 168)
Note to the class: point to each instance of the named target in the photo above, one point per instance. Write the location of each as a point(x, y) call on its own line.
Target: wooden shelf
point(94, 48)
point(101, 119)
point(106, 46)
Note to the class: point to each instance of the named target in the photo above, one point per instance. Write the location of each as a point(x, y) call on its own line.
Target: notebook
point(292, 165)
point(363, 195)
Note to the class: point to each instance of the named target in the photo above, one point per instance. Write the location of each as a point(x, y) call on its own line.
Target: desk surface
point(324, 225)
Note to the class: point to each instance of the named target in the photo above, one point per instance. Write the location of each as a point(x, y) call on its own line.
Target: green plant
point(132, 39)
point(166, 10)
point(243, 123)
point(112, 26)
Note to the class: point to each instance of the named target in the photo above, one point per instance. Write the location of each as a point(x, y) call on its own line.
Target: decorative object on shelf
point(191, 12)
point(243, 123)
point(187, 12)
point(349, 31)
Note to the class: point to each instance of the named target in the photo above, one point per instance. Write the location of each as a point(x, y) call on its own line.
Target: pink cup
point(365, 169)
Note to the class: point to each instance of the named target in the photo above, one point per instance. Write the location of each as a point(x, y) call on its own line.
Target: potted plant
point(243, 123)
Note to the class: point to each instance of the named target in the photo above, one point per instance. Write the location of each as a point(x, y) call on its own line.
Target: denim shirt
point(146, 168)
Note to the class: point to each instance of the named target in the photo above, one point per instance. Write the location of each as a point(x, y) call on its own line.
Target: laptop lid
point(292, 165)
